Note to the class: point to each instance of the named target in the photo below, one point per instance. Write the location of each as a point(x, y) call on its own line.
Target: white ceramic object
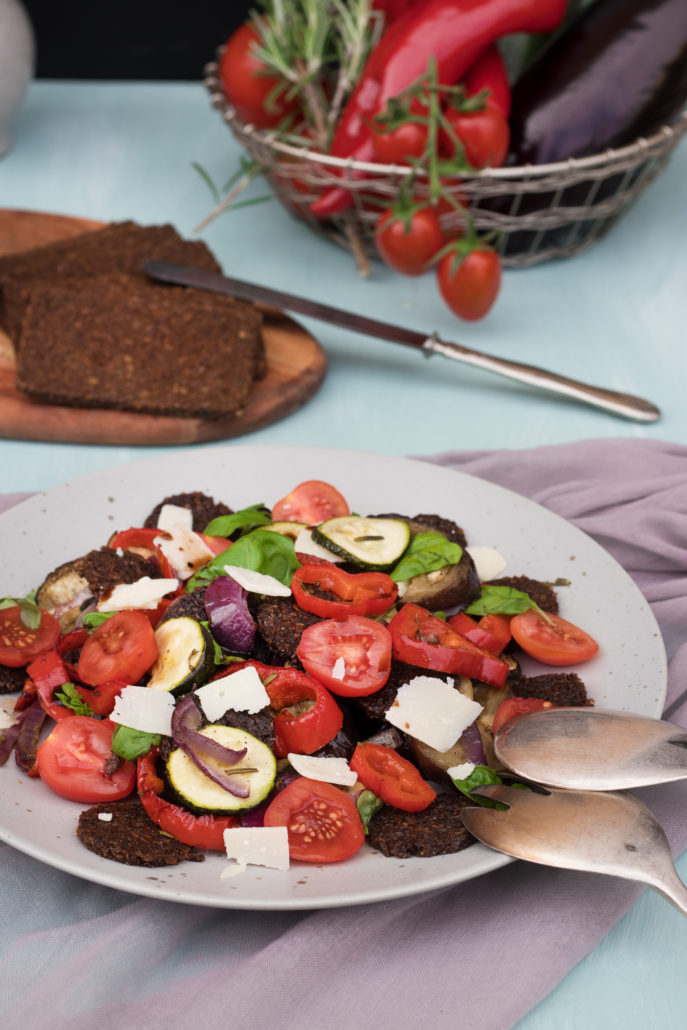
point(629, 672)
point(17, 57)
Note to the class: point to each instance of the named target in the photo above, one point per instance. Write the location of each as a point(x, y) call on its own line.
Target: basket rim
point(641, 146)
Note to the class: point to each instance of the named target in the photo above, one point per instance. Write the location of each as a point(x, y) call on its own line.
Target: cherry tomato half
point(322, 822)
point(552, 640)
point(513, 706)
point(310, 503)
point(409, 248)
point(470, 287)
point(245, 85)
point(352, 656)
point(71, 762)
point(19, 644)
point(392, 778)
point(122, 648)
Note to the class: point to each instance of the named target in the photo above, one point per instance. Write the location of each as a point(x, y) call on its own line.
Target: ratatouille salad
point(278, 684)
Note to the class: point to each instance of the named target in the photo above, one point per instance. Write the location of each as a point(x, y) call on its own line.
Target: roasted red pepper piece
point(312, 729)
point(422, 639)
point(357, 593)
point(455, 33)
point(200, 831)
point(492, 632)
point(489, 72)
point(48, 673)
point(391, 777)
point(142, 537)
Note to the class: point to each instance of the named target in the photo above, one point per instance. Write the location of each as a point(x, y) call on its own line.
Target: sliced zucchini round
point(290, 529)
point(201, 794)
point(186, 655)
point(371, 543)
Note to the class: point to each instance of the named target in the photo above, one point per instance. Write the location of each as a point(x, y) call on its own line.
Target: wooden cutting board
point(296, 366)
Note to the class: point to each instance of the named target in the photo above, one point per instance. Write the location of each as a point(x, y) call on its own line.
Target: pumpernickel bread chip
point(122, 832)
point(117, 341)
point(120, 247)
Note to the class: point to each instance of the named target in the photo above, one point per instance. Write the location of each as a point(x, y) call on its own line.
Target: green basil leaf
point(479, 776)
point(29, 612)
point(131, 744)
point(91, 620)
point(426, 552)
point(245, 520)
point(501, 600)
point(367, 804)
point(260, 550)
point(71, 698)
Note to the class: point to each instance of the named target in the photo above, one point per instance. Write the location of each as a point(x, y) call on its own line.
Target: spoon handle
point(671, 887)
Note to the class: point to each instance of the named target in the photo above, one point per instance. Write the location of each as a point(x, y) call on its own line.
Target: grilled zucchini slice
point(369, 542)
point(186, 656)
point(201, 794)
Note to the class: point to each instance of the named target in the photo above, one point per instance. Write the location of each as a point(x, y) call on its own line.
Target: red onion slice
point(30, 728)
point(207, 754)
point(231, 624)
point(472, 742)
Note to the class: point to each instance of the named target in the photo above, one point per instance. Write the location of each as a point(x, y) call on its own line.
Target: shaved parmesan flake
point(257, 582)
point(328, 770)
point(433, 711)
point(488, 562)
point(6, 718)
point(339, 669)
point(242, 691)
point(184, 550)
point(256, 845)
point(172, 515)
point(142, 709)
point(306, 545)
point(461, 772)
point(105, 817)
point(144, 593)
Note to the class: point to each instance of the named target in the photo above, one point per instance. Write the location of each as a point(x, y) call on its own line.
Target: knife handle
point(624, 404)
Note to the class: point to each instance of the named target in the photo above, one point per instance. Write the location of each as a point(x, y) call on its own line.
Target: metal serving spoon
point(592, 749)
point(597, 832)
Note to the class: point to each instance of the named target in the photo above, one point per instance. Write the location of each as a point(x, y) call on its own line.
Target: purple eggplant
point(619, 72)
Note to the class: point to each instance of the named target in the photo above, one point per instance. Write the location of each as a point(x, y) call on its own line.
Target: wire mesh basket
point(538, 212)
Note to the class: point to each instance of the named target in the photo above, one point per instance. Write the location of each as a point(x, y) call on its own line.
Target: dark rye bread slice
point(122, 247)
point(120, 342)
point(122, 832)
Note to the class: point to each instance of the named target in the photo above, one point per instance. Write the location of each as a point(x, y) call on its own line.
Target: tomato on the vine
point(398, 146)
point(551, 639)
point(408, 242)
point(484, 133)
point(245, 84)
point(470, 285)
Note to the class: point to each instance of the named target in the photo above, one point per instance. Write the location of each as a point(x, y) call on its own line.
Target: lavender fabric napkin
point(82, 957)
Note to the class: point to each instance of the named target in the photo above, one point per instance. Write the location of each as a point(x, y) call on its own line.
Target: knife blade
point(624, 405)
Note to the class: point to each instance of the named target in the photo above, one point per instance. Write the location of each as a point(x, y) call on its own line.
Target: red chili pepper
point(312, 729)
point(356, 593)
point(200, 831)
point(394, 9)
point(455, 33)
point(489, 72)
point(422, 639)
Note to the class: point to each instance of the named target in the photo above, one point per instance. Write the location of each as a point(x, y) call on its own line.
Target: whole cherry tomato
point(398, 145)
point(245, 85)
point(484, 134)
point(470, 286)
point(408, 242)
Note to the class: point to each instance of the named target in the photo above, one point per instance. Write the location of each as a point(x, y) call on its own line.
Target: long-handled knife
point(622, 404)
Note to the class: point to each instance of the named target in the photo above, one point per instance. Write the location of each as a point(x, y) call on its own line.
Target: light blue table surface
point(614, 316)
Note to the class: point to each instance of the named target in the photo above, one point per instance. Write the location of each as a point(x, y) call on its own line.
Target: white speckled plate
point(629, 673)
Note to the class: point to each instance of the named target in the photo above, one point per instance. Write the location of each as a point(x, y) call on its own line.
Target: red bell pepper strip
point(391, 777)
point(48, 672)
point(492, 632)
point(422, 639)
point(200, 831)
point(307, 732)
point(140, 536)
point(489, 72)
point(356, 593)
point(454, 33)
